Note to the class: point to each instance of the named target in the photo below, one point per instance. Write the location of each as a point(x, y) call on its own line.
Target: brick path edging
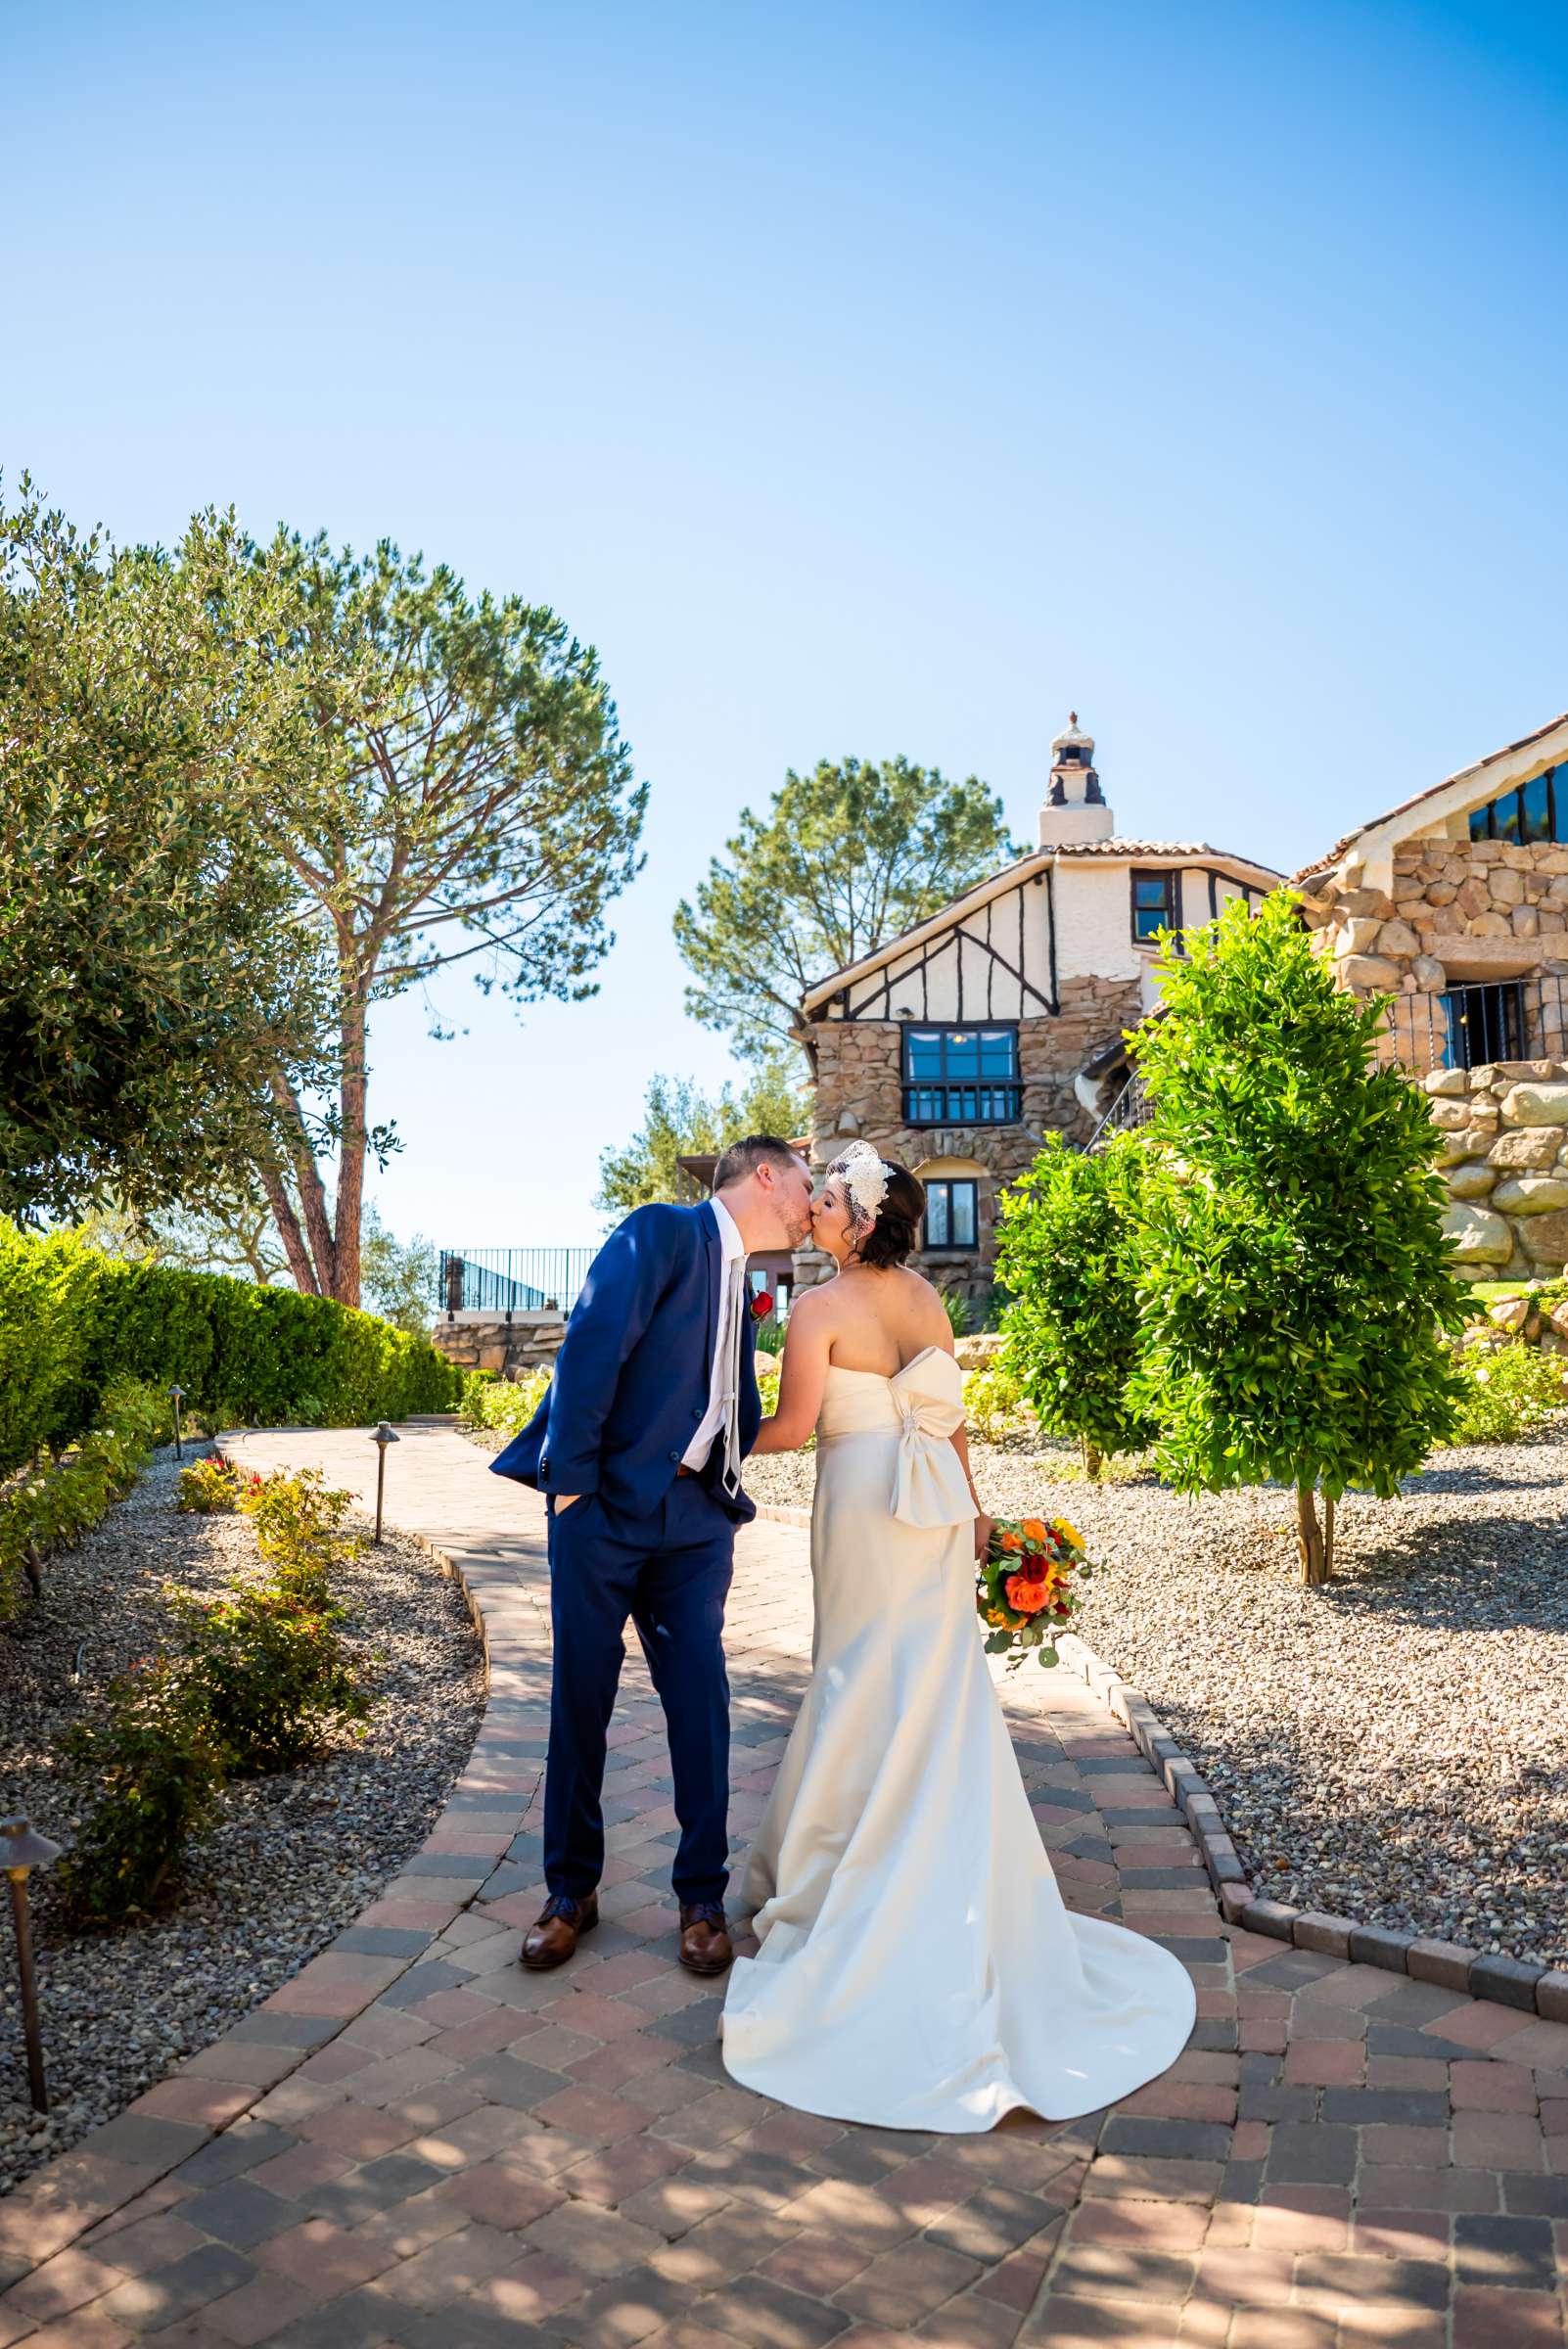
point(1508, 1981)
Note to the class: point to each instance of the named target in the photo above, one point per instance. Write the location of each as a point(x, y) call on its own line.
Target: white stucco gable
point(1364, 857)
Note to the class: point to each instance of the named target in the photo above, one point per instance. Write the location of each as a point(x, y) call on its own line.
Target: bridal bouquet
point(1026, 1587)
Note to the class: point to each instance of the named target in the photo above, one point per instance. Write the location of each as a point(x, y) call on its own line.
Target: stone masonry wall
point(528, 1342)
point(1505, 1159)
point(1458, 911)
point(860, 1095)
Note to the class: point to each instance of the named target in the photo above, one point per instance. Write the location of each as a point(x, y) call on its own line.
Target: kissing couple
point(916, 1966)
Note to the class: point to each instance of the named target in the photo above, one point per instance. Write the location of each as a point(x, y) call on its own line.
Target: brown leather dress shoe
point(704, 1938)
point(551, 1939)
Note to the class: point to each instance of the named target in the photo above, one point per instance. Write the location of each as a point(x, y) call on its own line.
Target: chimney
point(1075, 807)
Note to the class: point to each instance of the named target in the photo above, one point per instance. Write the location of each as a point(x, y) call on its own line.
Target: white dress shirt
point(723, 1398)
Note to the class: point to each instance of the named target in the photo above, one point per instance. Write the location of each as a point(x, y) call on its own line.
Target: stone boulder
point(1547, 1237)
point(1470, 1181)
point(1536, 1105)
point(979, 1352)
point(1398, 938)
point(1447, 1081)
point(1369, 974)
point(1530, 1194)
point(1531, 1149)
point(1510, 1313)
point(1479, 1236)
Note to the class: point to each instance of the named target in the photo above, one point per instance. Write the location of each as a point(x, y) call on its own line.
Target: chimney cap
point(1073, 738)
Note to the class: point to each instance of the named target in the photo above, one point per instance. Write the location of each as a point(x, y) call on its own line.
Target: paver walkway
point(414, 2142)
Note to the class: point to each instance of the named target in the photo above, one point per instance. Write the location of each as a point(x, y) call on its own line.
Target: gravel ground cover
point(292, 1860)
point(1393, 1748)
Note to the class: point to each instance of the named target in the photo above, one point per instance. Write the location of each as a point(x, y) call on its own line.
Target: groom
point(638, 1447)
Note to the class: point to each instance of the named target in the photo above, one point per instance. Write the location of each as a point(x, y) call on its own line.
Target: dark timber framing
point(986, 959)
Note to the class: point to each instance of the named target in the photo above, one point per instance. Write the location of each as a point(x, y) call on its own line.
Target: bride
point(916, 1966)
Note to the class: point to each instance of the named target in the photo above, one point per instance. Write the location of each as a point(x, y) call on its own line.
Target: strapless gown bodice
point(917, 1411)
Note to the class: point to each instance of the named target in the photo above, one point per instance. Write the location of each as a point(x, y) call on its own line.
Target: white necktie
point(730, 1339)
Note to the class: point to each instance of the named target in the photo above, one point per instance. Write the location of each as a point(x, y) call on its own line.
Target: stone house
point(958, 1046)
point(1456, 901)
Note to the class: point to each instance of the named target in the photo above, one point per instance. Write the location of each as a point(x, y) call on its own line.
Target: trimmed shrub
point(72, 1320)
point(1067, 1251)
point(159, 1770)
point(267, 1672)
point(1509, 1391)
point(257, 1681)
point(299, 1530)
point(507, 1403)
point(1295, 1279)
point(995, 1404)
point(51, 1505)
point(47, 1388)
point(209, 1488)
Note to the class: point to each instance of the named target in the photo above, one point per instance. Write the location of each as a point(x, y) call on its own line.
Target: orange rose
point(1008, 1539)
point(1033, 1531)
point(1024, 1596)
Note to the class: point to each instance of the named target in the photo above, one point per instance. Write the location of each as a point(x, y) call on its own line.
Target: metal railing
point(996, 1103)
point(512, 1280)
point(1465, 1027)
point(1130, 1109)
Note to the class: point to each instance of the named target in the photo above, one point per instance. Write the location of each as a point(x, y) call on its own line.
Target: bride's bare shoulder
point(921, 1299)
point(813, 1308)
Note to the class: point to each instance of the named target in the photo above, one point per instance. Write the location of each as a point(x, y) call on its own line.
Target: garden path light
point(20, 1851)
point(384, 1434)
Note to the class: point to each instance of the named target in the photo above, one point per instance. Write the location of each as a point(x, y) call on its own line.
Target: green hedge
point(73, 1320)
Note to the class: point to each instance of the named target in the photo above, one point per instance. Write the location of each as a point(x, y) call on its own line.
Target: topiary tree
point(1295, 1277)
point(1067, 1251)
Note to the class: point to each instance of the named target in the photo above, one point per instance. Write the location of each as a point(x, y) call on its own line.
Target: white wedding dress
point(918, 1967)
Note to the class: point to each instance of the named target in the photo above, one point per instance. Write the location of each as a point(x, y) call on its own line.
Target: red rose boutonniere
point(762, 1303)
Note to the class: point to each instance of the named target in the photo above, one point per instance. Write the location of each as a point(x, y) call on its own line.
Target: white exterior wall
point(1093, 914)
point(1095, 921)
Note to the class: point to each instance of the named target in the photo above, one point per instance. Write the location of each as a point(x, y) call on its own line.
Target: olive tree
point(1295, 1279)
point(157, 980)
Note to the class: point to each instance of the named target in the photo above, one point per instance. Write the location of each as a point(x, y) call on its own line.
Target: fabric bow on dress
point(929, 1486)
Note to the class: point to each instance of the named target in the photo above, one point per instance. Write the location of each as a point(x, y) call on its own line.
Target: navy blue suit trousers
point(668, 1570)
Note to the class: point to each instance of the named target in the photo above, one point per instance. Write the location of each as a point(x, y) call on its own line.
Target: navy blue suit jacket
point(631, 1379)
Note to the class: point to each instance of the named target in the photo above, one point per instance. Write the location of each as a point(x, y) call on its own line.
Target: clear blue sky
point(858, 378)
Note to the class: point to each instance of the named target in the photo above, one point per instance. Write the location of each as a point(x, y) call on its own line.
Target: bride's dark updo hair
point(896, 1234)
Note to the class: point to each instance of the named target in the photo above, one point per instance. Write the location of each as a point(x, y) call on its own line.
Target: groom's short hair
point(744, 1158)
